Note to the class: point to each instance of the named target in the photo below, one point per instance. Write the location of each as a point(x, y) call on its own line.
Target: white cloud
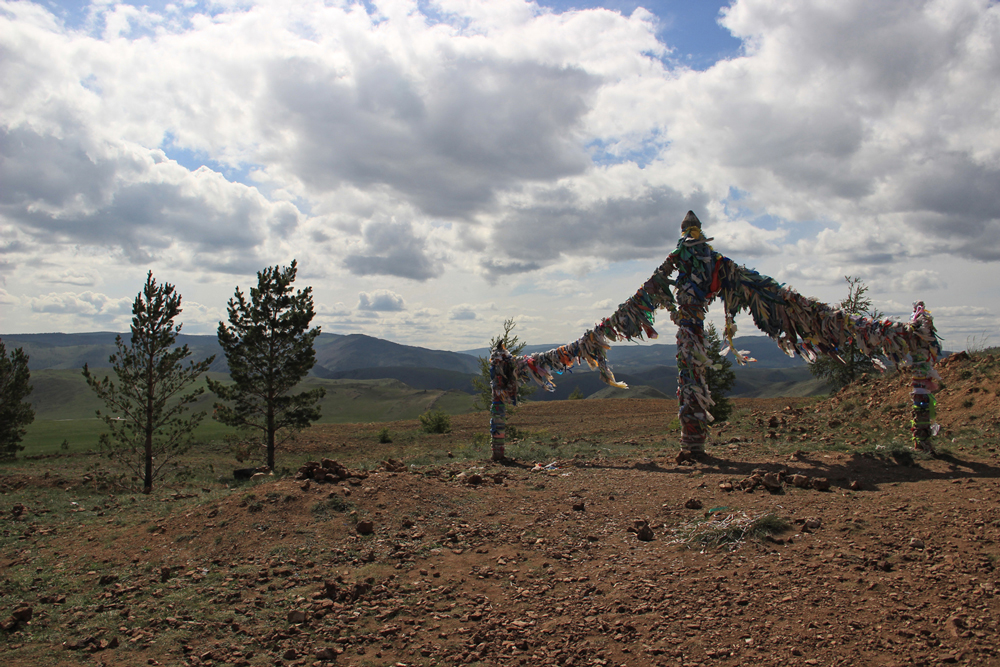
point(8, 299)
point(337, 310)
point(463, 312)
point(392, 248)
point(381, 300)
point(87, 304)
point(493, 145)
point(83, 277)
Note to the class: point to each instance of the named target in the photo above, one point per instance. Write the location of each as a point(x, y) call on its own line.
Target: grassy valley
point(366, 380)
point(65, 407)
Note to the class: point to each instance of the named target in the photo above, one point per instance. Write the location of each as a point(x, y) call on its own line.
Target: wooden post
point(694, 278)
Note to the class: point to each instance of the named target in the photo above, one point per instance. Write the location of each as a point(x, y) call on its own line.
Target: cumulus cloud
point(617, 228)
point(8, 299)
point(131, 198)
point(392, 248)
point(86, 304)
point(380, 300)
point(462, 312)
point(474, 143)
point(83, 277)
point(850, 110)
point(489, 123)
point(337, 310)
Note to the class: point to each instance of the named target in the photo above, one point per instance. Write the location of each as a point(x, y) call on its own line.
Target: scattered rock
point(395, 465)
point(772, 482)
point(326, 471)
point(693, 504)
point(916, 543)
point(800, 481)
point(856, 485)
point(326, 654)
point(821, 483)
point(726, 486)
point(164, 573)
point(365, 527)
point(956, 625)
point(579, 507)
point(90, 644)
point(642, 530)
point(295, 617)
point(684, 456)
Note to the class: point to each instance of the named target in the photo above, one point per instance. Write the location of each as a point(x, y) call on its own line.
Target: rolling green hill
point(633, 391)
point(65, 406)
point(418, 378)
point(367, 380)
point(334, 352)
point(343, 353)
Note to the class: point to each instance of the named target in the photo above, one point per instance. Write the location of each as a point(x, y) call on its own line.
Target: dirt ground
point(594, 547)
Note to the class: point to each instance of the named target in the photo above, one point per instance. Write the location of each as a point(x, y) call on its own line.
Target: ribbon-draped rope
point(799, 325)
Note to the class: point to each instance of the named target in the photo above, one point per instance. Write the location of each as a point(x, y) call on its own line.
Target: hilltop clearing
point(809, 535)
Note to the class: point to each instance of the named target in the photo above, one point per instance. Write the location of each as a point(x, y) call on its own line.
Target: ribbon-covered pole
point(924, 386)
point(500, 361)
point(694, 262)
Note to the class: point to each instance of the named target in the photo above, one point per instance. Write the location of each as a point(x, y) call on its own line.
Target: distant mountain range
point(360, 357)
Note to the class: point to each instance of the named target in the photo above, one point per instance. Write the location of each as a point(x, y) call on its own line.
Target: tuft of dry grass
point(727, 532)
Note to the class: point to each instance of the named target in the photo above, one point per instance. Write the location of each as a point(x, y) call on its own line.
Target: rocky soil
point(594, 547)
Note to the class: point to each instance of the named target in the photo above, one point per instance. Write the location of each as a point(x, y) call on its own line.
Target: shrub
point(384, 437)
point(435, 421)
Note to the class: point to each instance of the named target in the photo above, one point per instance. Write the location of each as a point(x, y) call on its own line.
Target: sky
point(438, 166)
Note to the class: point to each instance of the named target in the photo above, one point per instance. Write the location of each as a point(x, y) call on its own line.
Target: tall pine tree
point(269, 348)
point(145, 408)
point(15, 412)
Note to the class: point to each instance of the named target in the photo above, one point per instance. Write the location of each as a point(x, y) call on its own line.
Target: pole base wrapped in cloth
point(799, 325)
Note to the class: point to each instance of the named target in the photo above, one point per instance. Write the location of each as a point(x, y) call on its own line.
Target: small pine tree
point(720, 375)
point(435, 421)
point(145, 415)
point(481, 384)
point(576, 394)
point(855, 363)
point(15, 412)
point(269, 348)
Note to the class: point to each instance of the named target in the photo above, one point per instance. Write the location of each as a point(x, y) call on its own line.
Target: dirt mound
point(969, 397)
point(596, 546)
